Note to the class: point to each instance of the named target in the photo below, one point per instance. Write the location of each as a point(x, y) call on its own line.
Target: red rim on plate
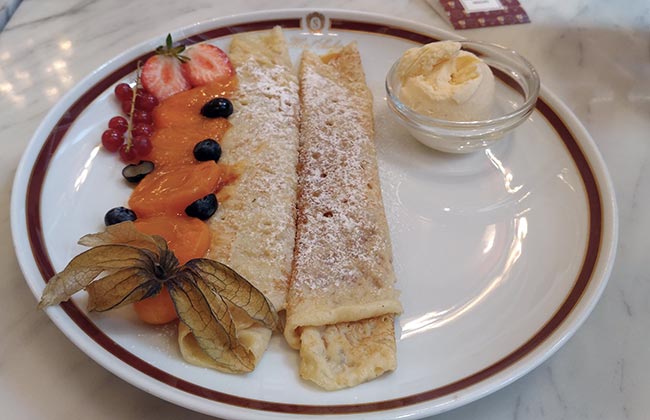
point(41, 257)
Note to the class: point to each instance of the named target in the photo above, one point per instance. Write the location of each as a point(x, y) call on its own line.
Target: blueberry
point(216, 108)
point(203, 208)
point(136, 173)
point(207, 149)
point(119, 215)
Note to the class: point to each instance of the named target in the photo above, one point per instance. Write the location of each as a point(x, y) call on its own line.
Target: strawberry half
point(206, 64)
point(162, 74)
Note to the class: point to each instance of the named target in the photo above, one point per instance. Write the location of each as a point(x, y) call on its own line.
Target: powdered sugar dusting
point(341, 226)
point(263, 142)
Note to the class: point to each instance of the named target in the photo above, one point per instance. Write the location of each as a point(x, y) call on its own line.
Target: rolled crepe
point(253, 230)
point(341, 299)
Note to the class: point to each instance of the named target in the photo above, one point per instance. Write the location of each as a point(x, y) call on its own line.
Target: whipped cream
point(442, 81)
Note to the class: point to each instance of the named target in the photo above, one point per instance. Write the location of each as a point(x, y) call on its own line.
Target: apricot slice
point(175, 145)
point(187, 237)
point(184, 108)
point(170, 190)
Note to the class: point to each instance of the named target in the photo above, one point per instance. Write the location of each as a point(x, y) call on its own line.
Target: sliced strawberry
point(206, 64)
point(162, 76)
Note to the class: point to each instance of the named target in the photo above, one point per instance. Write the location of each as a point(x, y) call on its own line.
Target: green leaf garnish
point(169, 50)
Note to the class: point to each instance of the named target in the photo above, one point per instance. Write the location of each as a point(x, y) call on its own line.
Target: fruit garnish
point(187, 237)
point(156, 310)
point(141, 117)
point(207, 149)
point(162, 74)
point(131, 136)
point(145, 101)
point(136, 172)
point(184, 108)
point(207, 63)
point(142, 129)
point(169, 190)
point(206, 293)
point(123, 92)
point(217, 108)
point(112, 139)
point(119, 124)
point(141, 145)
point(118, 215)
point(126, 107)
point(127, 153)
point(203, 208)
point(175, 145)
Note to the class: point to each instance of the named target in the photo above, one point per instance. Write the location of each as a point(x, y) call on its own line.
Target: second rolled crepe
point(341, 300)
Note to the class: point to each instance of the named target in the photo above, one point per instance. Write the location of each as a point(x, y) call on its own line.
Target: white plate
point(500, 255)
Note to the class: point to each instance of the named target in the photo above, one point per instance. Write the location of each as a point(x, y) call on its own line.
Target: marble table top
point(595, 55)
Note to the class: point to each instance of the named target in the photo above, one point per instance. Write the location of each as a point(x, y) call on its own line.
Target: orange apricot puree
point(184, 108)
point(186, 236)
point(160, 199)
point(170, 190)
point(175, 145)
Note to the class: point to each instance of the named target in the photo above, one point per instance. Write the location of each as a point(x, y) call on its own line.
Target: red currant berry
point(141, 129)
point(145, 101)
point(142, 145)
point(140, 116)
point(123, 92)
point(118, 124)
point(128, 153)
point(112, 139)
point(126, 107)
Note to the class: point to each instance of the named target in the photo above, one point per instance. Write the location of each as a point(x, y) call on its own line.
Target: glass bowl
point(516, 91)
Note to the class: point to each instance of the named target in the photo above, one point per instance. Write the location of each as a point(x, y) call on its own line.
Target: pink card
point(470, 14)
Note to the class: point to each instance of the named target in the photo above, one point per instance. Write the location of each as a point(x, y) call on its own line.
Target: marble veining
point(593, 54)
